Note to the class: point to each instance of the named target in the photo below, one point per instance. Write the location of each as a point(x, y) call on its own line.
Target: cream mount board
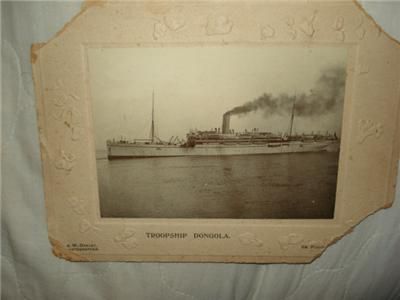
point(116, 61)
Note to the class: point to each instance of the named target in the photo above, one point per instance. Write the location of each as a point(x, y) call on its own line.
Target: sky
point(195, 86)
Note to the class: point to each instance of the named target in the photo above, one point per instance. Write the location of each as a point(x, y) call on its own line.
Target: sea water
point(296, 185)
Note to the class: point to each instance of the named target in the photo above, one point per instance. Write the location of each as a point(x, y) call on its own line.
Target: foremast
point(152, 120)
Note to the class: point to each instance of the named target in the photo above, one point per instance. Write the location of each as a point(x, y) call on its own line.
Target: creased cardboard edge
point(60, 251)
point(391, 188)
point(395, 160)
point(395, 157)
point(86, 5)
point(56, 246)
point(389, 36)
point(220, 259)
point(337, 238)
point(34, 51)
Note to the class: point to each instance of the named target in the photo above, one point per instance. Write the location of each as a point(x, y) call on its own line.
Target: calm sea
point(296, 185)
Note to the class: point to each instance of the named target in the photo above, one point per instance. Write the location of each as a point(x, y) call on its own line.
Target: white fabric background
point(363, 265)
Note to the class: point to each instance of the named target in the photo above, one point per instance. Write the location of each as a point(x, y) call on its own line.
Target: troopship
point(222, 142)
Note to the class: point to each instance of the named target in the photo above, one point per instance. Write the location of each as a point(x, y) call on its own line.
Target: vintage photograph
point(235, 132)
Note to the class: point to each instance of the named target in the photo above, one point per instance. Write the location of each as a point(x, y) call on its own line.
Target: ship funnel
point(226, 123)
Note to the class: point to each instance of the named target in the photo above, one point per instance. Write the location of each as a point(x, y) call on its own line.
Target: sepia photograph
point(231, 132)
point(227, 132)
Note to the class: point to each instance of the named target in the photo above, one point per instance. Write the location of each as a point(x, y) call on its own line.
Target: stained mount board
point(102, 48)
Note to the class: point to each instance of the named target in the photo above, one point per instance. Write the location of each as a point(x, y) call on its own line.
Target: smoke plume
point(326, 95)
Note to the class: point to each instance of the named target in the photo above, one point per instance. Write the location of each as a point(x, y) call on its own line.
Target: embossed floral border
point(370, 138)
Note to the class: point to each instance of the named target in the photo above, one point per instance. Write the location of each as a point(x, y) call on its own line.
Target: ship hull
point(120, 150)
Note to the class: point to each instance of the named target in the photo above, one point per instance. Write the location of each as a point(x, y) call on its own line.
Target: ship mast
point(292, 117)
point(152, 118)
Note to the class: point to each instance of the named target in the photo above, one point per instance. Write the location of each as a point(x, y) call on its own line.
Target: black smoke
point(326, 95)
